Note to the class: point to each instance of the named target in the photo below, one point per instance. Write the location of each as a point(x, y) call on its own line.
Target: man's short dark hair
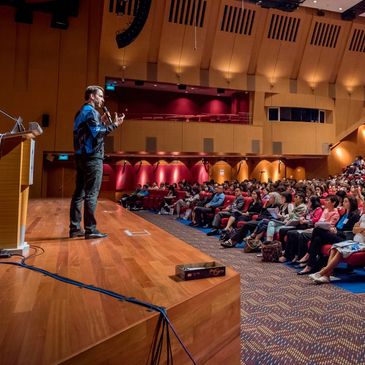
point(92, 89)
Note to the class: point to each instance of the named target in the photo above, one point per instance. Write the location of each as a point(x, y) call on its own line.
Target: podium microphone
point(106, 111)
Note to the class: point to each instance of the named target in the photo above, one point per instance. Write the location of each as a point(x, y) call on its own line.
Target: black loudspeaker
point(45, 120)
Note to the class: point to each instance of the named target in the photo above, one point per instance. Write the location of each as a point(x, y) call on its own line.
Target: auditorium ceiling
point(331, 5)
point(232, 44)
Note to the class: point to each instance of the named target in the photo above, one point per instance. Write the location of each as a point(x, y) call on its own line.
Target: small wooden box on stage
point(16, 175)
point(200, 270)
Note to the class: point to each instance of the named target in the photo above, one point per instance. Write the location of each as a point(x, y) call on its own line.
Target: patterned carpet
point(285, 319)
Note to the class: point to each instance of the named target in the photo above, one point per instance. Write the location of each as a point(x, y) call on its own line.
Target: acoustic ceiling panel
point(357, 43)
point(325, 35)
point(283, 28)
point(187, 12)
point(237, 20)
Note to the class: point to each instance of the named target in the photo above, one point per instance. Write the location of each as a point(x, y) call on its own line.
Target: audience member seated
point(167, 201)
point(231, 210)
point(154, 186)
point(341, 194)
point(356, 168)
point(356, 192)
point(329, 233)
point(192, 196)
point(295, 248)
point(126, 198)
point(291, 221)
point(342, 250)
point(250, 226)
point(278, 217)
point(204, 198)
point(254, 208)
point(135, 201)
point(201, 213)
point(319, 191)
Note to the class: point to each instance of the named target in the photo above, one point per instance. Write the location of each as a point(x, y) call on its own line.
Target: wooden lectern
point(16, 175)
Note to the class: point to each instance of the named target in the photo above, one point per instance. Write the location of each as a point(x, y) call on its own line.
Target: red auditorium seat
point(356, 259)
point(247, 203)
point(154, 198)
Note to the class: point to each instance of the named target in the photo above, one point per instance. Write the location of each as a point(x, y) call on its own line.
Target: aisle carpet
point(285, 319)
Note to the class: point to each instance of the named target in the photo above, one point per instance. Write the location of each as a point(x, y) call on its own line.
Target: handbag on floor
point(271, 251)
point(228, 235)
point(252, 245)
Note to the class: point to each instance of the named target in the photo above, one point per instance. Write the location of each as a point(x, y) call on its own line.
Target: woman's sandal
point(305, 272)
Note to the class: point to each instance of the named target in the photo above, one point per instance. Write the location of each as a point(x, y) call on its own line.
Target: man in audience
point(230, 210)
point(201, 213)
point(135, 201)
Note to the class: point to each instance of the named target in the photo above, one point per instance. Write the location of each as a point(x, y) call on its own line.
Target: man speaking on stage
point(89, 132)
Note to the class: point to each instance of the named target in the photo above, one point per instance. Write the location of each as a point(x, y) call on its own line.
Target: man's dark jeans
point(89, 174)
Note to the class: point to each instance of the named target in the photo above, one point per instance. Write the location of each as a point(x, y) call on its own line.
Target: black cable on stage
point(163, 319)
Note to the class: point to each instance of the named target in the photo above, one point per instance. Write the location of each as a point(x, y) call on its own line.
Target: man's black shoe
point(213, 232)
point(94, 235)
point(78, 233)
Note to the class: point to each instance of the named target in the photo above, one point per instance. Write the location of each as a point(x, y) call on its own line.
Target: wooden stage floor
point(44, 321)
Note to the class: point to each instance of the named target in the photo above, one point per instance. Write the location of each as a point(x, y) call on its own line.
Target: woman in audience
point(295, 249)
point(255, 207)
point(291, 221)
point(250, 226)
point(166, 202)
point(192, 196)
point(329, 217)
point(342, 250)
point(331, 233)
point(154, 186)
point(341, 194)
point(318, 191)
point(286, 207)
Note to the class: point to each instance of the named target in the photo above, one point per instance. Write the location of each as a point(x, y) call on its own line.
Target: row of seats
point(155, 197)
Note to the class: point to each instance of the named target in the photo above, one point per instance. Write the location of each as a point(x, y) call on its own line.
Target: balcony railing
point(239, 118)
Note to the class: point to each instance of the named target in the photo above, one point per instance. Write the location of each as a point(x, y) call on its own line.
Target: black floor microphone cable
point(164, 321)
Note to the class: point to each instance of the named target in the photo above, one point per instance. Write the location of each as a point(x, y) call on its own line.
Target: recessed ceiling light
point(315, 1)
point(339, 8)
point(154, 85)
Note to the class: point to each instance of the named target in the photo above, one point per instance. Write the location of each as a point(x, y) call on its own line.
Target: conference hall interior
point(182, 182)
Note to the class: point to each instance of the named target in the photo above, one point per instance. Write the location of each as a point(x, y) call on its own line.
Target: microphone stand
point(18, 126)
